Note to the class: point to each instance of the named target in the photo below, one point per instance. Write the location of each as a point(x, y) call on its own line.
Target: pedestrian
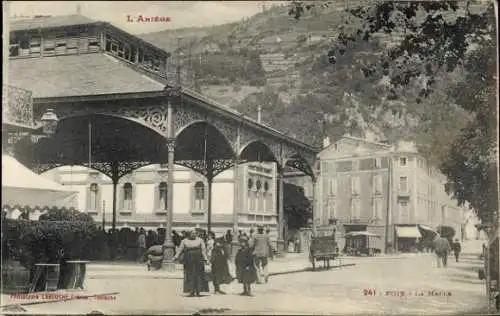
point(219, 262)
point(271, 248)
point(442, 248)
point(297, 244)
point(141, 245)
point(261, 245)
point(457, 248)
point(245, 267)
point(250, 236)
point(194, 258)
point(210, 244)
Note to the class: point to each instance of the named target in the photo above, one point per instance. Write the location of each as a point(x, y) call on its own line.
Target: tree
point(436, 37)
point(296, 206)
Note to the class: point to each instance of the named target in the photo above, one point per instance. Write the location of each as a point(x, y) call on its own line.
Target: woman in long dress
point(194, 258)
point(220, 269)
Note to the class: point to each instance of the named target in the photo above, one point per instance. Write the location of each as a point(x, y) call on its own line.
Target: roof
point(408, 232)
point(77, 75)
point(23, 187)
point(48, 22)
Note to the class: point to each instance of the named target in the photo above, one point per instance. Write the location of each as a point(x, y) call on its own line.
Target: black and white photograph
point(250, 158)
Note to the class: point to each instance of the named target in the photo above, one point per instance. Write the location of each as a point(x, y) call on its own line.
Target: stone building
point(384, 189)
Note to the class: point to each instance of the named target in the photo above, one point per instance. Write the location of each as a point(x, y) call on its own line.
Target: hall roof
point(49, 22)
point(77, 75)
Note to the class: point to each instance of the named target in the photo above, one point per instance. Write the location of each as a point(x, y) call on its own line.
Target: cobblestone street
point(382, 285)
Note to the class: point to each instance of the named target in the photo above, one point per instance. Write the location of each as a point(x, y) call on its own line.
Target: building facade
point(54, 44)
point(384, 189)
point(142, 196)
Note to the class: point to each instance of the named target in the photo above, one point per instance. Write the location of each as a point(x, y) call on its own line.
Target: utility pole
point(389, 202)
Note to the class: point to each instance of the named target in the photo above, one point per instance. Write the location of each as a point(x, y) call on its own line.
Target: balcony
point(404, 194)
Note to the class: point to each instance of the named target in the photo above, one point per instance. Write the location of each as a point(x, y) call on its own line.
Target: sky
point(181, 13)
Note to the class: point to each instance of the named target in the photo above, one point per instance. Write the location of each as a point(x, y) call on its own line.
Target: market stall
point(22, 190)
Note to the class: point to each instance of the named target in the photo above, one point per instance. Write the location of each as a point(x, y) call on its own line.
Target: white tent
point(22, 188)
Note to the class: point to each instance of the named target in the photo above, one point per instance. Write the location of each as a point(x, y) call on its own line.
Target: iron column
point(281, 237)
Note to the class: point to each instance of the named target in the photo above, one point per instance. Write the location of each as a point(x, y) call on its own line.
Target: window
point(199, 195)
point(355, 164)
point(127, 196)
point(403, 161)
point(355, 208)
point(377, 208)
point(403, 184)
point(403, 212)
point(377, 184)
point(94, 202)
point(355, 185)
point(332, 211)
point(332, 187)
point(163, 195)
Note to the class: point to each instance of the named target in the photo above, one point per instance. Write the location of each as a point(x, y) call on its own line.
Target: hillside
point(281, 63)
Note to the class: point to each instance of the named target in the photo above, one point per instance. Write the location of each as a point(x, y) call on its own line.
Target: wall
point(145, 182)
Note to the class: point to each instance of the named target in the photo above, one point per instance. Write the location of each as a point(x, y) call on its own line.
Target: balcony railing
point(17, 106)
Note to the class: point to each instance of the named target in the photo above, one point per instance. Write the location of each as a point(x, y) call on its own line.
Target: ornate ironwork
point(185, 115)
point(127, 167)
point(17, 106)
point(207, 168)
point(301, 165)
point(171, 144)
point(173, 91)
point(154, 117)
point(42, 167)
point(102, 167)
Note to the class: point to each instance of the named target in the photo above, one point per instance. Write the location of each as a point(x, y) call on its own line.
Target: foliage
point(439, 37)
point(57, 234)
point(296, 206)
point(447, 232)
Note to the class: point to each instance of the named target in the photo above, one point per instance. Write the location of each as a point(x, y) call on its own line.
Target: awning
point(363, 233)
point(408, 232)
point(427, 228)
point(22, 187)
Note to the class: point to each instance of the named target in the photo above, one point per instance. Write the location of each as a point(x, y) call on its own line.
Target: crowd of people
point(208, 258)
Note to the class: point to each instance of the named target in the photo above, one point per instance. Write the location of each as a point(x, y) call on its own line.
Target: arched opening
point(257, 151)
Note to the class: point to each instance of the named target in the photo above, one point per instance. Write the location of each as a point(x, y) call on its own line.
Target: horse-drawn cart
point(323, 248)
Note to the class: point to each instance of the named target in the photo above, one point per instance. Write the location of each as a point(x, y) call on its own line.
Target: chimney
point(326, 142)
point(259, 114)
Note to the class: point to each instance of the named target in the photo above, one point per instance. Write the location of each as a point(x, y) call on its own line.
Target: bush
point(58, 235)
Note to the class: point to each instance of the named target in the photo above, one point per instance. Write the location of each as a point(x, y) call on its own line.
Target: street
point(381, 285)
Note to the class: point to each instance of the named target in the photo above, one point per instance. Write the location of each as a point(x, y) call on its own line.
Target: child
point(245, 267)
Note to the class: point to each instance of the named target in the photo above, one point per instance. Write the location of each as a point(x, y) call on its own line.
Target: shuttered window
point(199, 196)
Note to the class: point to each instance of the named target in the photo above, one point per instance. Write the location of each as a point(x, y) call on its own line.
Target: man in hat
point(261, 245)
point(442, 248)
point(457, 248)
